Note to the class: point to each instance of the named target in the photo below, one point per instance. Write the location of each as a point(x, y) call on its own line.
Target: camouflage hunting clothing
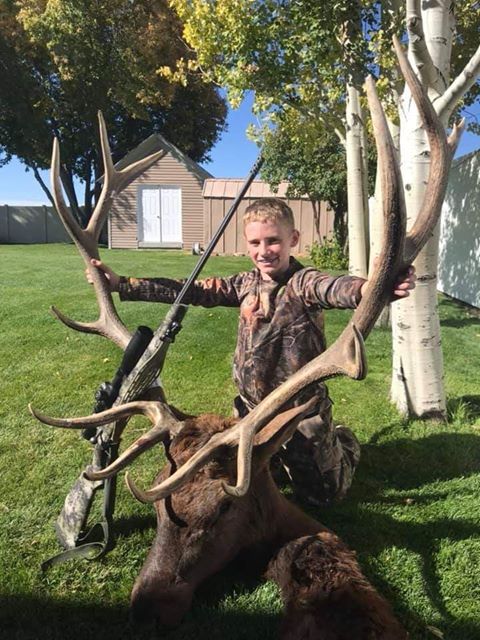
point(281, 325)
point(281, 328)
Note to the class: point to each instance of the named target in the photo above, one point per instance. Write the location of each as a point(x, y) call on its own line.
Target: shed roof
point(229, 188)
point(157, 142)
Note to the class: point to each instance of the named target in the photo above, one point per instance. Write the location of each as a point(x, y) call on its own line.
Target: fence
point(30, 225)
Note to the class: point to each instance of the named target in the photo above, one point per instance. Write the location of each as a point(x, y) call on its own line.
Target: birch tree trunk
point(356, 185)
point(417, 378)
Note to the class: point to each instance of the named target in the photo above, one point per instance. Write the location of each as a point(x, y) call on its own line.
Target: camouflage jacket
point(281, 325)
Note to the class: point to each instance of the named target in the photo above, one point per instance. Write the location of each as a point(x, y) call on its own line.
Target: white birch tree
point(417, 376)
point(357, 195)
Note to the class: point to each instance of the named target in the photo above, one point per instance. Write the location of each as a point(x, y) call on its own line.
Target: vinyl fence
point(30, 225)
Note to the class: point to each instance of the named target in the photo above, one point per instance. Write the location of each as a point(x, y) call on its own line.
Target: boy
point(281, 328)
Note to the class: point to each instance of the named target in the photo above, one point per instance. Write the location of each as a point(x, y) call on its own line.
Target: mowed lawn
point(412, 515)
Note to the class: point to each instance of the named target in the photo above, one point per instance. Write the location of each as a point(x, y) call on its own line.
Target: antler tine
point(165, 425)
point(108, 323)
point(75, 231)
point(440, 160)
point(390, 260)
point(114, 181)
point(140, 407)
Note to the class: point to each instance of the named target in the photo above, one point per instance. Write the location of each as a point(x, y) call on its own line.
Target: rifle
point(140, 368)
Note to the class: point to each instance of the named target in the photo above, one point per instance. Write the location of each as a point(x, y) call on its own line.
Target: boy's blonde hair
point(269, 210)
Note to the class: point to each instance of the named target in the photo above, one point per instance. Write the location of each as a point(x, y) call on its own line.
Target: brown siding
point(167, 171)
point(313, 221)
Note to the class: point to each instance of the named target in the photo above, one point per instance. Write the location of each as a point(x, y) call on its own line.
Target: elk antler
point(108, 324)
point(397, 253)
point(165, 426)
point(279, 429)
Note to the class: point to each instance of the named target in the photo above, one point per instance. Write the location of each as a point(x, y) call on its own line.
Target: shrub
point(329, 255)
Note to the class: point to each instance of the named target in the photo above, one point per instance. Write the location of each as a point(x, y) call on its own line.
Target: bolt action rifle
point(140, 368)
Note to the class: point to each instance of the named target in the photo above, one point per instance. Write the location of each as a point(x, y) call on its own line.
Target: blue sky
point(232, 157)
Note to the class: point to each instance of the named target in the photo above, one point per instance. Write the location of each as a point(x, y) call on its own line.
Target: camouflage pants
point(319, 460)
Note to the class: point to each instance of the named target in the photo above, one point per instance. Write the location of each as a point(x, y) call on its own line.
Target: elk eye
point(222, 508)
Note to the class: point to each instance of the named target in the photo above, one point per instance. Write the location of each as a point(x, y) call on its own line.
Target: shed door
point(150, 215)
point(171, 215)
point(161, 215)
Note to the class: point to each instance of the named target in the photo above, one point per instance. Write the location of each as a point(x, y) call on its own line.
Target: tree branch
point(462, 83)
point(341, 135)
point(40, 181)
point(430, 76)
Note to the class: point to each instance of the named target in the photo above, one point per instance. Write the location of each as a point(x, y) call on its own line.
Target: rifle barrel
point(219, 232)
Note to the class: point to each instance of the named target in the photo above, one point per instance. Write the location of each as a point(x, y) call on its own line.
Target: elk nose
point(165, 605)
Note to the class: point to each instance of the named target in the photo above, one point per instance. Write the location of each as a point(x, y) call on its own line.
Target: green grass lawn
point(412, 515)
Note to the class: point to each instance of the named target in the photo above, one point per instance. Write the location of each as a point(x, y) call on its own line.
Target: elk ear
point(278, 431)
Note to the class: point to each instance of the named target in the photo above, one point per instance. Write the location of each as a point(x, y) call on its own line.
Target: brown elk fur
point(326, 595)
point(200, 529)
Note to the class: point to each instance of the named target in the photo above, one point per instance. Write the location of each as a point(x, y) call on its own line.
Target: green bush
point(329, 255)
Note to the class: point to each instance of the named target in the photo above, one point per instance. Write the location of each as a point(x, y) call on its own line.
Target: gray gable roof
point(157, 142)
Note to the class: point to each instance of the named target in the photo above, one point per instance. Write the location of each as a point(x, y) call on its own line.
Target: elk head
point(200, 527)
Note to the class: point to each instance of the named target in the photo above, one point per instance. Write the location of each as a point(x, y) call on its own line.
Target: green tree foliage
point(297, 55)
point(315, 167)
point(63, 60)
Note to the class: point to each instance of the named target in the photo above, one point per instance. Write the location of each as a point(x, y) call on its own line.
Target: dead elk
point(326, 596)
point(201, 528)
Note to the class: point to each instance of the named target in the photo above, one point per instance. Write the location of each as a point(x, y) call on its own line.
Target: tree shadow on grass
point(397, 475)
point(32, 618)
point(470, 315)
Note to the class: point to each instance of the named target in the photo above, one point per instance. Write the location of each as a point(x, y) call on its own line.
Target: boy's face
point(269, 245)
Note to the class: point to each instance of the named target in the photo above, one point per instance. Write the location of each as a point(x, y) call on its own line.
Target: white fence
point(30, 225)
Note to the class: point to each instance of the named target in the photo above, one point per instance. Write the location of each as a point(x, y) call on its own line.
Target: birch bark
point(356, 185)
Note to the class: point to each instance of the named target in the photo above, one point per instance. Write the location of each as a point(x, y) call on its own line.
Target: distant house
point(314, 220)
point(459, 256)
point(163, 207)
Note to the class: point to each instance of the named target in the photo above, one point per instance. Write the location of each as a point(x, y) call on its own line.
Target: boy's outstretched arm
point(402, 287)
point(209, 292)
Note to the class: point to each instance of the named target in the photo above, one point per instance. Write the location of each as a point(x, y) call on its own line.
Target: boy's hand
point(404, 284)
point(113, 278)
point(402, 287)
